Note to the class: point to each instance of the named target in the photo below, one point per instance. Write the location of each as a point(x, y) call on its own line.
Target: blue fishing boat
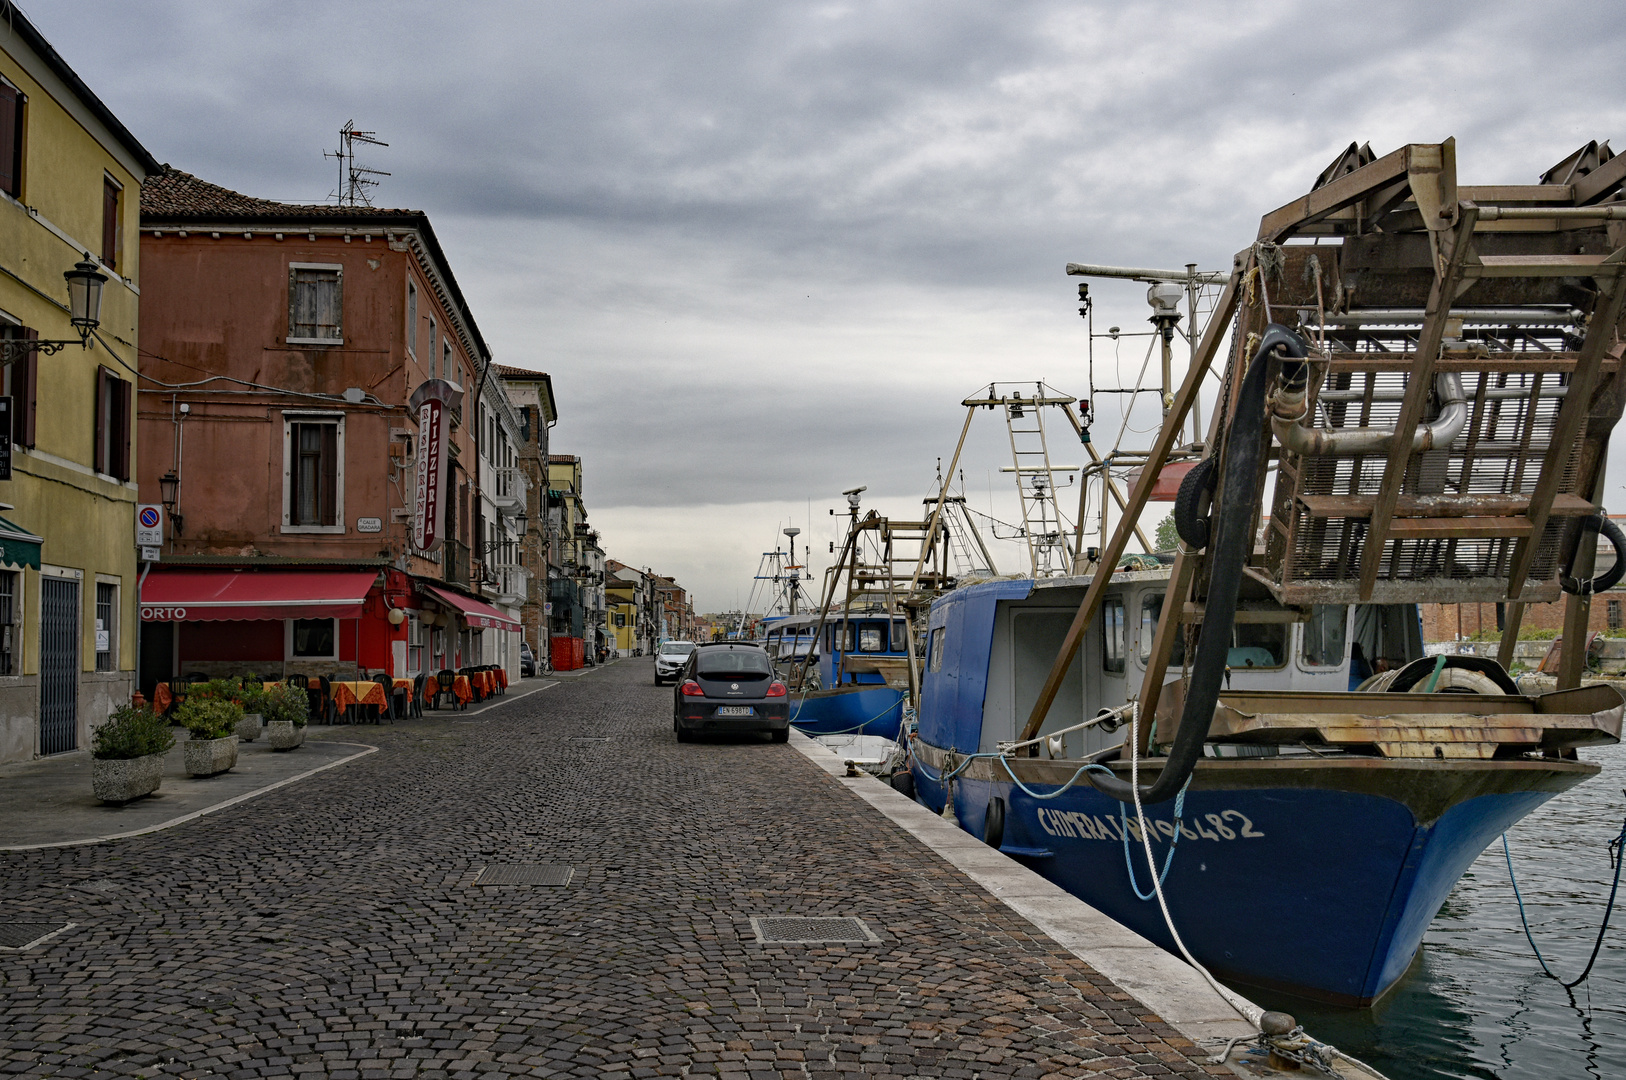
point(1308, 868)
point(856, 671)
point(1181, 747)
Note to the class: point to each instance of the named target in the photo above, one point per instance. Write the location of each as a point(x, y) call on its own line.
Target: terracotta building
point(288, 354)
point(532, 395)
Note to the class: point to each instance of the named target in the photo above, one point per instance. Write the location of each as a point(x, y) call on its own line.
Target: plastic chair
point(388, 710)
point(443, 688)
point(416, 701)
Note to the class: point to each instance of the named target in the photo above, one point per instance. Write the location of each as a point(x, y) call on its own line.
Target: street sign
point(149, 525)
point(149, 554)
point(369, 525)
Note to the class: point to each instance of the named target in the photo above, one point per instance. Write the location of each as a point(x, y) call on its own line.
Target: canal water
point(1476, 1004)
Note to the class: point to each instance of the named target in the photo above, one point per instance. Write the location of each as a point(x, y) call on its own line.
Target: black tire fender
point(1191, 504)
point(993, 823)
point(903, 783)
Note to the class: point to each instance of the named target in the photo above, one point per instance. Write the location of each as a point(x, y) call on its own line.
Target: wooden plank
point(1529, 266)
point(1442, 506)
point(1512, 616)
point(1420, 381)
point(1280, 223)
point(1491, 194)
point(1458, 528)
point(1567, 426)
point(1591, 186)
point(1219, 328)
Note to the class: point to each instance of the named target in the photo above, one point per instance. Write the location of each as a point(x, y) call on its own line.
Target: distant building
point(532, 395)
point(70, 187)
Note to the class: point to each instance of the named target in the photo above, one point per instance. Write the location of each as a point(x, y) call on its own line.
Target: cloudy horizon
point(764, 249)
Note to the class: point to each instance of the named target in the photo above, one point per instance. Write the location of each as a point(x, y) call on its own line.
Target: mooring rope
point(1617, 858)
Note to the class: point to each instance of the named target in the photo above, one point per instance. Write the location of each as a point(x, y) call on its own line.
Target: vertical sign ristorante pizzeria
point(433, 402)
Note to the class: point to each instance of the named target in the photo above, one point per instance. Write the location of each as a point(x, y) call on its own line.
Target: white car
point(670, 658)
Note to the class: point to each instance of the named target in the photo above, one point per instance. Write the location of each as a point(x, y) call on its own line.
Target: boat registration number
point(735, 710)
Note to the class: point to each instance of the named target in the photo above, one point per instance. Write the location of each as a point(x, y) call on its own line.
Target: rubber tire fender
point(903, 783)
point(1190, 511)
point(993, 823)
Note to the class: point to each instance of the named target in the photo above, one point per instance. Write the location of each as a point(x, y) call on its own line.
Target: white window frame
point(330, 342)
point(434, 357)
point(290, 417)
point(288, 642)
point(118, 613)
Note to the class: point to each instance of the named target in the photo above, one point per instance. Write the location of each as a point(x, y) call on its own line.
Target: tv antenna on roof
point(354, 180)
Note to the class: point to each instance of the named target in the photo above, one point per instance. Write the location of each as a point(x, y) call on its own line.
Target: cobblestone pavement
point(333, 928)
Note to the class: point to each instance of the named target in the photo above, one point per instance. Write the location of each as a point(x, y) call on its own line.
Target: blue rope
point(1123, 826)
point(1617, 849)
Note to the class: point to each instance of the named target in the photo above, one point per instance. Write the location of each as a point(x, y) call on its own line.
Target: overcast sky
point(766, 248)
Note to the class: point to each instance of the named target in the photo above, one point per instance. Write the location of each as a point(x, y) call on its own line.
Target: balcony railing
point(455, 561)
point(511, 583)
point(508, 487)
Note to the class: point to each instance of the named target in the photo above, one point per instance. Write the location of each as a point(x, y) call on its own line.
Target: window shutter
point(121, 449)
point(330, 474)
point(110, 223)
point(26, 391)
point(11, 140)
point(98, 454)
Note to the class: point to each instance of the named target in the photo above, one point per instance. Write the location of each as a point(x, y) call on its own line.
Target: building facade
point(531, 393)
point(286, 365)
point(70, 187)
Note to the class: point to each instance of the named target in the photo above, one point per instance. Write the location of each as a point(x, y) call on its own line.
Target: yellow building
point(70, 192)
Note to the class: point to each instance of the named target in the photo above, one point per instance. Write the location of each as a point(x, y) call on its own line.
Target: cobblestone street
point(334, 927)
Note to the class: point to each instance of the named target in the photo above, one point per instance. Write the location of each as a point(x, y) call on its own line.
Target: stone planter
point(119, 781)
point(248, 728)
point(284, 734)
point(206, 757)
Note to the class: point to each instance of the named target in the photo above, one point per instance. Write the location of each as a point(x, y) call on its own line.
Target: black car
point(527, 662)
point(727, 687)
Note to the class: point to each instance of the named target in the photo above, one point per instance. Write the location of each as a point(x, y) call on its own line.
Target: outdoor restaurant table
point(502, 678)
point(346, 694)
point(482, 682)
point(460, 688)
point(162, 698)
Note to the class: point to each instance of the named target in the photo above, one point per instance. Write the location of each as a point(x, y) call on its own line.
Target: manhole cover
point(100, 885)
point(17, 936)
point(797, 930)
point(524, 874)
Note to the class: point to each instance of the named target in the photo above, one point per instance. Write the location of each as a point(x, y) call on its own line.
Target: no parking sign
point(149, 525)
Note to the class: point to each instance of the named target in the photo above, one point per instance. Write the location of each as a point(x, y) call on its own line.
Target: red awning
point(193, 594)
point(474, 612)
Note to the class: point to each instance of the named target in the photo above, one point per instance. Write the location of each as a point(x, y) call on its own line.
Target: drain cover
point(524, 874)
point(17, 936)
point(797, 930)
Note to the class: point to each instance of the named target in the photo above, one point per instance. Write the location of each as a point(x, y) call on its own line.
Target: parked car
point(728, 687)
point(670, 658)
point(527, 660)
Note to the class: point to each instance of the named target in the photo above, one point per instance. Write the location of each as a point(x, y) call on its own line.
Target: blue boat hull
point(850, 710)
point(1296, 876)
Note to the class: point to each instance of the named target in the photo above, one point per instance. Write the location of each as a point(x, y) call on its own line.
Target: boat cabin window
point(872, 637)
point(935, 661)
point(900, 636)
point(1112, 636)
point(1258, 645)
point(1324, 635)
point(773, 643)
point(1151, 609)
point(846, 630)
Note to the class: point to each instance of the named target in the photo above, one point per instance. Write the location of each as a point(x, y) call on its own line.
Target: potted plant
point(211, 721)
point(286, 710)
point(127, 754)
point(251, 695)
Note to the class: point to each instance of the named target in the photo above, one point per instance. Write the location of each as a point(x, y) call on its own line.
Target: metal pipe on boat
point(1135, 273)
point(1289, 405)
point(1233, 542)
point(1550, 315)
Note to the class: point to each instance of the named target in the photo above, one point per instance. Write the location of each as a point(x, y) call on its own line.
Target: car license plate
point(735, 710)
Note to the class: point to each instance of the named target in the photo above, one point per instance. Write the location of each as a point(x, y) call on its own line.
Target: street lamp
point(168, 487)
point(84, 310)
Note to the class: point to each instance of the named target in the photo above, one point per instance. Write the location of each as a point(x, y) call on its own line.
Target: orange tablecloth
point(502, 678)
point(461, 689)
point(483, 682)
point(346, 694)
point(161, 697)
